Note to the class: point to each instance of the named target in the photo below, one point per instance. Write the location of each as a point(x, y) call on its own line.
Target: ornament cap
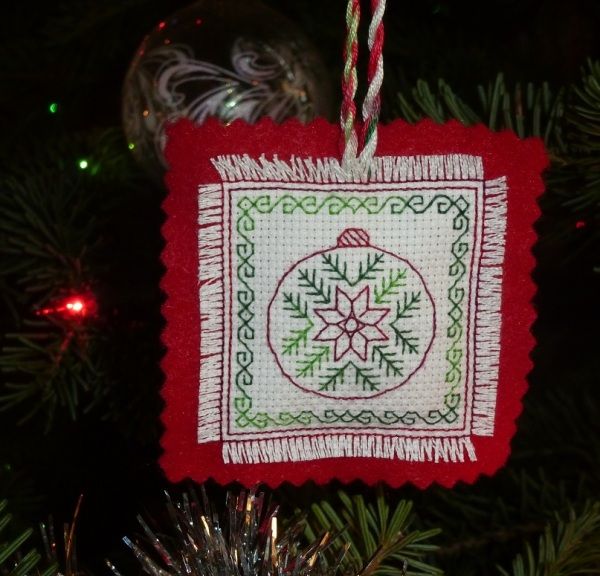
point(353, 238)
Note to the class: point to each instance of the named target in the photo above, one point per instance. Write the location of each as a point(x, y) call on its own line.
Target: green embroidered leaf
point(295, 305)
point(393, 366)
point(409, 305)
point(405, 310)
point(337, 272)
point(390, 286)
point(409, 343)
point(314, 287)
point(291, 344)
point(314, 359)
point(367, 271)
point(336, 377)
point(364, 379)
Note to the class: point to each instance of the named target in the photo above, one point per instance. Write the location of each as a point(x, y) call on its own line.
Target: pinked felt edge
point(189, 150)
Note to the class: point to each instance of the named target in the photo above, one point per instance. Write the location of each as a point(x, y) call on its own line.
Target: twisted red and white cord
point(372, 102)
point(349, 84)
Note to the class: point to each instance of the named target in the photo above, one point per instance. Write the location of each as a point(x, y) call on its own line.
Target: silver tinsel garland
point(247, 540)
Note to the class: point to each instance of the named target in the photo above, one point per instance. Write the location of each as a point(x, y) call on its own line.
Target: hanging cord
point(349, 84)
point(372, 102)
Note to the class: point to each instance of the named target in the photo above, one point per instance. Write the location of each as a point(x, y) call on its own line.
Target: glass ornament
point(220, 58)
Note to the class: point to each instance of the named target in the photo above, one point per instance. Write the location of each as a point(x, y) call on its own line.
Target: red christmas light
point(74, 307)
point(580, 224)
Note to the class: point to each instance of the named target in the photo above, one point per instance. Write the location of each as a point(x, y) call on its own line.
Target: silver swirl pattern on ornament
point(171, 83)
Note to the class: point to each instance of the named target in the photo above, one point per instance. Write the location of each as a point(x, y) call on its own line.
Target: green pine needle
point(565, 548)
point(567, 119)
point(14, 560)
point(378, 541)
point(533, 111)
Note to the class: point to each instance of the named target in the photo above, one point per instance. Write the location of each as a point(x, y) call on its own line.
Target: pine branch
point(565, 548)
point(378, 540)
point(530, 111)
point(56, 226)
point(51, 370)
point(583, 136)
point(583, 114)
point(482, 523)
point(14, 561)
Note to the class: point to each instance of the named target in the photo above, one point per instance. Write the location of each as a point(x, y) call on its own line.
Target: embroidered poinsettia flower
point(351, 324)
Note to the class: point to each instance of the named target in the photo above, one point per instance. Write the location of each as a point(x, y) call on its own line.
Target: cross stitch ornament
point(354, 313)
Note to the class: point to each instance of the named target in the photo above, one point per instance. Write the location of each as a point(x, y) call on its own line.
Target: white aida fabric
point(345, 318)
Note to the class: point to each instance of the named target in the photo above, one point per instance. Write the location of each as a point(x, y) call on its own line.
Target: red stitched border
point(188, 153)
point(278, 434)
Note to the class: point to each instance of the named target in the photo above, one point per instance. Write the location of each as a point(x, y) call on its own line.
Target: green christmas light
point(131, 145)
point(53, 107)
point(83, 164)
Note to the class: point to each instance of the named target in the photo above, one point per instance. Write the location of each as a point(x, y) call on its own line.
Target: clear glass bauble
point(223, 58)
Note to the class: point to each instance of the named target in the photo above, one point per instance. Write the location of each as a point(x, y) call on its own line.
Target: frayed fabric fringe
point(382, 169)
point(301, 448)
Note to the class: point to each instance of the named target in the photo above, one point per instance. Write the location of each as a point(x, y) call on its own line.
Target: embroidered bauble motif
point(225, 59)
point(324, 321)
point(352, 321)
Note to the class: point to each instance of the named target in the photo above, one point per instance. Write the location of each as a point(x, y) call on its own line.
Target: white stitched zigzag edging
point(210, 282)
point(302, 448)
point(238, 167)
point(488, 320)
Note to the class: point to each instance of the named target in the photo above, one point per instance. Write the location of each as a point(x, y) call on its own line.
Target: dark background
point(77, 53)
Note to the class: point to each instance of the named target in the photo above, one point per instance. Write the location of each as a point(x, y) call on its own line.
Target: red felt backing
point(189, 151)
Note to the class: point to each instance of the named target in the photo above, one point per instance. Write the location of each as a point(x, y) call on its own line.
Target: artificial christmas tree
point(80, 396)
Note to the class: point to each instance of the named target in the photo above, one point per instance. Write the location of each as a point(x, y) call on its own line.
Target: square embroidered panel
point(324, 324)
